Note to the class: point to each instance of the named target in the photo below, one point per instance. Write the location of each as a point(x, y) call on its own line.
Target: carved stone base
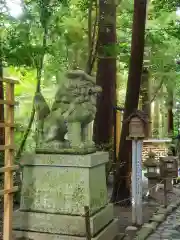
point(55, 190)
point(59, 183)
point(62, 224)
point(53, 149)
point(64, 147)
point(169, 185)
point(152, 182)
point(108, 233)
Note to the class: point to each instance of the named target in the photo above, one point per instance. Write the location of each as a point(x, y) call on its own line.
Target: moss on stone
point(74, 151)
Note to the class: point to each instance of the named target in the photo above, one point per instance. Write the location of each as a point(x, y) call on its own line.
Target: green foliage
point(168, 5)
point(67, 46)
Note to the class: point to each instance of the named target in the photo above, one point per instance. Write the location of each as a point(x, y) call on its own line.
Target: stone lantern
point(169, 166)
point(152, 173)
point(138, 125)
point(151, 164)
point(169, 169)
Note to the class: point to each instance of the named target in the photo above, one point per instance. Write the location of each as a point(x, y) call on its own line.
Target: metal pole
point(139, 182)
point(133, 181)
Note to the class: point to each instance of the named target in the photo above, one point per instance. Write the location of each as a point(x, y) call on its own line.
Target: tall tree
point(170, 111)
point(121, 188)
point(106, 71)
point(145, 94)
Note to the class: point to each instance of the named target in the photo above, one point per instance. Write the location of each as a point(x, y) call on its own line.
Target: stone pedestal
point(169, 184)
point(152, 182)
point(54, 192)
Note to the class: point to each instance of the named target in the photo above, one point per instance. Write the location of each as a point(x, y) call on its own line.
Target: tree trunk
point(145, 94)
point(170, 122)
point(106, 72)
point(170, 115)
point(156, 125)
point(121, 190)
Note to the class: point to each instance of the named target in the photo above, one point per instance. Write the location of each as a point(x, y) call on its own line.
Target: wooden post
point(133, 181)
point(139, 216)
point(87, 223)
point(9, 157)
point(137, 182)
point(137, 122)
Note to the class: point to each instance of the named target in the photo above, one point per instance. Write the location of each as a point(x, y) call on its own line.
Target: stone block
point(55, 190)
point(152, 186)
point(169, 185)
point(64, 184)
point(169, 209)
point(173, 206)
point(162, 210)
point(109, 233)
point(152, 225)
point(62, 224)
point(131, 232)
point(158, 218)
point(119, 236)
point(143, 233)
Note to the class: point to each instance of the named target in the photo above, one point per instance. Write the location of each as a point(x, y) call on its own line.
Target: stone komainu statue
point(74, 108)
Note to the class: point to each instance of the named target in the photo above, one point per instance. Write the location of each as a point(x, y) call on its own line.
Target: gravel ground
point(169, 229)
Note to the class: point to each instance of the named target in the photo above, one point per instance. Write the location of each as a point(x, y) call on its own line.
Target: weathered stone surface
point(162, 211)
point(66, 160)
point(143, 233)
point(131, 232)
point(169, 185)
point(151, 225)
point(74, 151)
point(151, 183)
point(61, 224)
point(72, 113)
point(178, 202)
point(120, 236)
point(109, 233)
point(158, 218)
point(55, 190)
point(177, 226)
point(64, 187)
point(146, 230)
point(169, 209)
point(173, 206)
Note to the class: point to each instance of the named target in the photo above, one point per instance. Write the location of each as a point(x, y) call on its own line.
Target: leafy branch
point(44, 17)
point(92, 43)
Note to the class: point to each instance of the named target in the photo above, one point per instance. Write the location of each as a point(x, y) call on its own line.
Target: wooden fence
point(8, 148)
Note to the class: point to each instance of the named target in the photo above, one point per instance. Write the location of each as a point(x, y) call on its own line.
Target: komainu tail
point(41, 107)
